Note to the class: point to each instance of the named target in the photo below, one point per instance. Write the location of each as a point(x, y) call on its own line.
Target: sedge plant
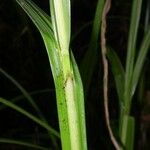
point(55, 31)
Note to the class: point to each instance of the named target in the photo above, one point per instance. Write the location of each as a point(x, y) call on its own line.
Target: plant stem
point(72, 114)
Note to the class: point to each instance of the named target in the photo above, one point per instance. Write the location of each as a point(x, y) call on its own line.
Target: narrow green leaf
point(53, 51)
point(141, 86)
point(60, 94)
point(30, 116)
point(42, 22)
point(134, 24)
point(22, 143)
point(23, 91)
point(140, 60)
point(118, 73)
point(38, 16)
point(130, 62)
point(21, 97)
point(147, 16)
point(79, 98)
point(89, 61)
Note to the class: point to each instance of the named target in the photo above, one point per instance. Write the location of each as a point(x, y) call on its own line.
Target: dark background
point(23, 56)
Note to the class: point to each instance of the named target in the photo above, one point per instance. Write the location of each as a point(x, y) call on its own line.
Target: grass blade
point(130, 60)
point(22, 143)
point(53, 52)
point(135, 17)
point(89, 61)
point(118, 72)
point(147, 16)
point(42, 21)
point(30, 116)
point(21, 97)
point(132, 74)
point(79, 98)
point(60, 95)
point(23, 91)
point(140, 60)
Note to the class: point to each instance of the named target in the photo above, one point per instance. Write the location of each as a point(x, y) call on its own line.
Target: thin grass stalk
point(23, 91)
point(29, 115)
point(22, 143)
point(22, 97)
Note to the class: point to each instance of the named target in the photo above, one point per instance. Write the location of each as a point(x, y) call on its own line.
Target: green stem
point(72, 114)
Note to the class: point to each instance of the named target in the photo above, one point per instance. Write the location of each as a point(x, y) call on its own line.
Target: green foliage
point(126, 82)
point(56, 32)
point(22, 143)
point(29, 115)
point(90, 58)
point(24, 92)
point(69, 91)
point(118, 72)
